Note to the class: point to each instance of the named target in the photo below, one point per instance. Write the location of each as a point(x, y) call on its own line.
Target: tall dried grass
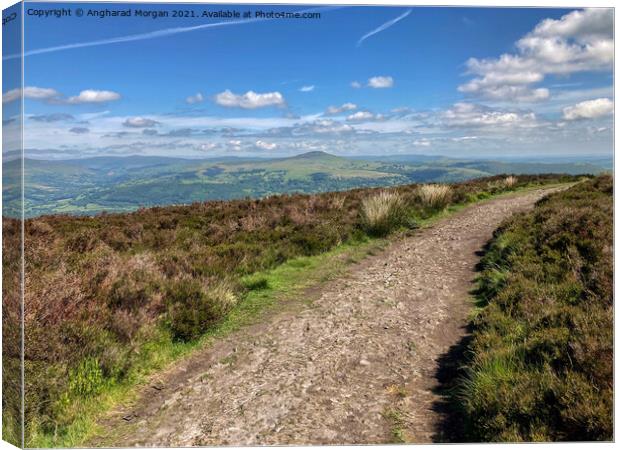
point(383, 212)
point(434, 195)
point(510, 181)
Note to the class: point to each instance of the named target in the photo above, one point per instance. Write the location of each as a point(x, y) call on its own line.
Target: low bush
point(540, 364)
point(193, 307)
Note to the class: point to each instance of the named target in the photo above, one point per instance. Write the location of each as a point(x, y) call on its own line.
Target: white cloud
point(234, 145)
point(577, 42)
point(464, 138)
point(471, 115)
point(306, 88)
point(93, 96)
point(53, 96)
point(30, 92)
point(356, 84)
point(207, 146)
point(422, 143)
point(380, 82)
point(266, 145)
point(338, 109)
point(328, 127)
point(361, 116)
point(249, 100)
point(589, 109)
point(140, 122)
point(192, 99)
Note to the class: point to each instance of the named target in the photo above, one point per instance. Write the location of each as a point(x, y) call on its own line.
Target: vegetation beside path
point(540, 363)
point(113, 298)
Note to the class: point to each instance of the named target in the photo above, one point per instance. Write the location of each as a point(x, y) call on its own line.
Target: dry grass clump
point(383, 212)
point(435, 195)
point(510, 181)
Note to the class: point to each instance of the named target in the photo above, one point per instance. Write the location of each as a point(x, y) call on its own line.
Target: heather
point(540, 365)
point(101, 291)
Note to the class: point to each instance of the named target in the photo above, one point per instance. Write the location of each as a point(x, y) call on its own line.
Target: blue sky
point(454, 81)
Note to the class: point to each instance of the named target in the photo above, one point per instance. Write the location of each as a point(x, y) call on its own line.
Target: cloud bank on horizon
point(389, 81)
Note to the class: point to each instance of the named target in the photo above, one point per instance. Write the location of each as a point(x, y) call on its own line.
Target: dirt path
point(348, 369)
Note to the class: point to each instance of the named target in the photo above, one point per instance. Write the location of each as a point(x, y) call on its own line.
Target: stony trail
point(335, 370)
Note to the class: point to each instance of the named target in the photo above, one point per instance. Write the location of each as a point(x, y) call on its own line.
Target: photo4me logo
point(9, 18)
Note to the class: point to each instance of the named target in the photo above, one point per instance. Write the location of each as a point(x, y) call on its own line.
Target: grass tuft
point(436, 196)
point(510, 181)
point(383, 212)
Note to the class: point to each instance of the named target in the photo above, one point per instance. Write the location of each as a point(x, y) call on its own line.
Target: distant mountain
point(92, 185)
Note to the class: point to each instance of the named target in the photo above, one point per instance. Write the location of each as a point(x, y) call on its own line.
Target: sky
point(462, 82)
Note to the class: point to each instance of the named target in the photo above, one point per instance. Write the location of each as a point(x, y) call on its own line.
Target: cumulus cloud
point(320, 127)
point(577, 42)
point(361, 116)
point(339, 109)
point(53, 96)
point(30, 92)
point(380, 82)
point(93, 96)
point(266, 145)
point(193, 99)
point(589, 109)
point(249, 100)
point(234, 145)
point(306, 88)
point(472, 115)
point(140, 122)
point(356, 84)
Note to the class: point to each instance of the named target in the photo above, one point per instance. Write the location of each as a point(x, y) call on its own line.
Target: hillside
point(116, 184)
point(115, 296)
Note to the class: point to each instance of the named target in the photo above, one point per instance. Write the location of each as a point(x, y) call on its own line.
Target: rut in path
point(331, 372)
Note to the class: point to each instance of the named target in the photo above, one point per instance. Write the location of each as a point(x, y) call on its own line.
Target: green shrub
point(194, 307)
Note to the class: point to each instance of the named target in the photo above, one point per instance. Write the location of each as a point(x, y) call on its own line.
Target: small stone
point(364, 362)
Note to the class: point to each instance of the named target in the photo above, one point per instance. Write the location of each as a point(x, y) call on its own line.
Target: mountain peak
point(315, 155)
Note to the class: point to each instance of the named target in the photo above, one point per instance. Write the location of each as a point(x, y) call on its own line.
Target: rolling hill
point(115, 184)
